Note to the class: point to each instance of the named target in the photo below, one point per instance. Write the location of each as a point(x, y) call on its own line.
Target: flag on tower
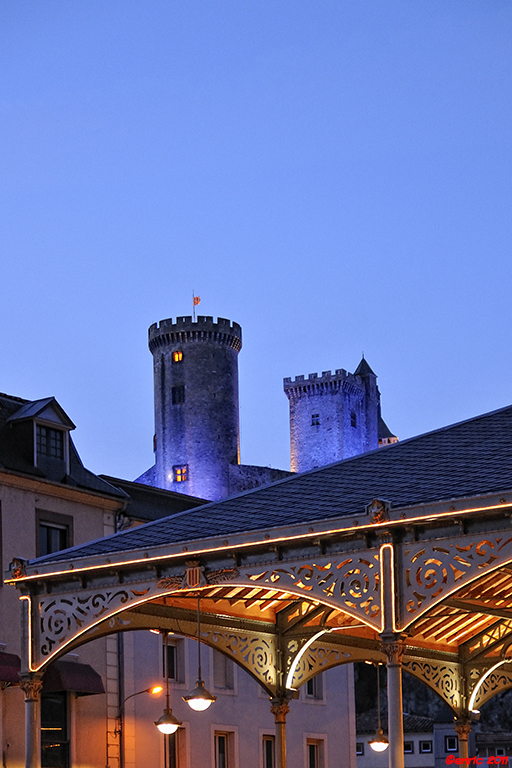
point(197, 300)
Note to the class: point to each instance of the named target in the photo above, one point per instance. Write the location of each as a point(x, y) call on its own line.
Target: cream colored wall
point(246, 713)
point(90, 521)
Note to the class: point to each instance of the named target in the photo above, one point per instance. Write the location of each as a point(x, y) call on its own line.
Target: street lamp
point(119, 730)
point(379, 743)
point(200, 698)
point(120, 719)
point(167, 723)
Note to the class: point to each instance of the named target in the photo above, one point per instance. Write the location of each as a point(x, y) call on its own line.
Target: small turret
point(332, 416)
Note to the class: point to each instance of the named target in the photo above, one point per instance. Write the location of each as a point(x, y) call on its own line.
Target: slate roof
point(466, 459)
point(367, 723)
point(14, 459)
point(363, 369)
point(383, 429)
point(147, 503)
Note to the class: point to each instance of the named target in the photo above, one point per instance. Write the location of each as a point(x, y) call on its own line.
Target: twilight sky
point(334, 175)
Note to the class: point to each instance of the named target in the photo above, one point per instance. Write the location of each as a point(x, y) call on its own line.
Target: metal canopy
point(420, 582)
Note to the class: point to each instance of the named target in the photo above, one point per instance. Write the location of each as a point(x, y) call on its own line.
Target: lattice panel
point(320, 656)
point(257, 654)
point(491, 638)
point(497, 681)
point(429, 573)
point(350, 583)
point(445, 679)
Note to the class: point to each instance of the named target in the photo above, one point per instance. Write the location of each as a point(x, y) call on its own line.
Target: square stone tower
point(332, 416)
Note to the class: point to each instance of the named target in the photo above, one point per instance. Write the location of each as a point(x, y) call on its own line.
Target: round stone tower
point(196, 404)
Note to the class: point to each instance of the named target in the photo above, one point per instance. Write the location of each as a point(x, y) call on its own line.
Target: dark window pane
point(54, 731)
point(221, 752)
point(52, 538)
point(50, 442)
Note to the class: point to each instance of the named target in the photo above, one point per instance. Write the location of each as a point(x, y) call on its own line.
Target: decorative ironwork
point(352, 583)
point(318, 657)
point(63, 618)
point(462, 729)
point(430, 572)
point(393, 650)
point(490, 637)
point(194, 575)
point(31, 689)
point(444, 679)
point(255, 653)
point(497, 681)
point(18, 568)
point(279, 709)
point(221, 575)
point(379, 511)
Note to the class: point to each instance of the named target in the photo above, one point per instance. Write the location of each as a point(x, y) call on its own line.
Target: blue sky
point(335, 175)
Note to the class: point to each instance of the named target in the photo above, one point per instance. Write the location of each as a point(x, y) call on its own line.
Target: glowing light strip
point(258, 542)
point(29, 638)
point(299, 657)
point(157, 596)
point(481, 681)
point(382, 579)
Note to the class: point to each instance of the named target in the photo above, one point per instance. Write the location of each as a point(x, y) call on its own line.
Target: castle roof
point(383, 429)
point(464, 460)
point(363, 369)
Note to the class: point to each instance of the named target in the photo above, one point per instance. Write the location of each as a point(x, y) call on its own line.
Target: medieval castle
point(197, 436)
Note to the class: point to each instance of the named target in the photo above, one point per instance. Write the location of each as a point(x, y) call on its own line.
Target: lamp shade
point(200, 698)
point(379, 743)
point(167, 723)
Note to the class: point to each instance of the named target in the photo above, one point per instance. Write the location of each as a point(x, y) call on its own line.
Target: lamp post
point(119, 731)
point(167, 723)
point(379, 743)
point(200, 697)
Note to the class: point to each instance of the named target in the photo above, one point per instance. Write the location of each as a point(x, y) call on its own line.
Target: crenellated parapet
point(327, 383)
point(185, 330)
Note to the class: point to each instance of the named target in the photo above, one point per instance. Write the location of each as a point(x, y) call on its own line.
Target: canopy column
point(463, 729)
point(32, 689)
point(280, 708)
point(394, 651)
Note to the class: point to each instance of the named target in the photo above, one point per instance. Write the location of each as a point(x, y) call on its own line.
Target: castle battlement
point(328, 381)
point(184, 329)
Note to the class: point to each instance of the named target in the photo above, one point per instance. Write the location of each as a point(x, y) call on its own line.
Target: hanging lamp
point(200, 697)
point(379, 743)
point(167, 723)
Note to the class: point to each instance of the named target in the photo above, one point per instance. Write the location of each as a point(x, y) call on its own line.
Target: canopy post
point(31, 686)
point(280, 708)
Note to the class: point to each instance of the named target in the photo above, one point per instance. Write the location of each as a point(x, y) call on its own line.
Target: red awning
point(72, 676)
point(10, 665)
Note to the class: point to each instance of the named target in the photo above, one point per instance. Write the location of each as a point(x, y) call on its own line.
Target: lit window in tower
point(181, 473)
point(177, 356)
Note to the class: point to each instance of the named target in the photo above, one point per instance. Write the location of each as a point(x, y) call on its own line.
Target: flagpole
point(193, 307)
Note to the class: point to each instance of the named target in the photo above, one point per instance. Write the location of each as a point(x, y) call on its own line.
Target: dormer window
point(49, 442)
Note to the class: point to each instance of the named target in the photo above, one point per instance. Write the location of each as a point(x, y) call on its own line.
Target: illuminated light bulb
point(200, 698)
point(379, 743)
point(167, 723)
point(156, 689)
